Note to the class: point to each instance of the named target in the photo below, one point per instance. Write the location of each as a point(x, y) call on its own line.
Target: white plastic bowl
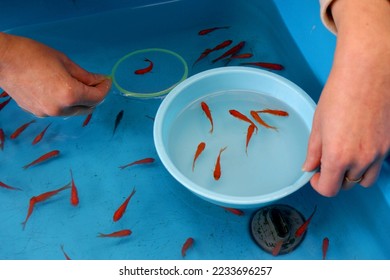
point(270, 169)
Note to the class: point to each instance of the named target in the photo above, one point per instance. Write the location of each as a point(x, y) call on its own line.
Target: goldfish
point(274, 112)
point(120, 233)
point(2, 139)
point(87, 119)
point(4, 103)
point(241, 56)
point(141, 161)
point(65, 254)
point(302, 229)
point(207, 111)
point(43, 158)
point(251, 129)
point(217, 169)
point(222, 45)
point(40, 135)
point(233, 51)
point(260, 120)
point(209, 30)
point(4, 94)
point(74, 197)
point(187, 244)
point(199, 150)
point(146, 69)
point(272, 66)
point(118, 119)
point(242, 117)
point(121, 210)
point(40, 198)
point(9, 187)
point(234, 211)
point(325, 246)
point(205, 53)
point(277, 248)
point(20, 129)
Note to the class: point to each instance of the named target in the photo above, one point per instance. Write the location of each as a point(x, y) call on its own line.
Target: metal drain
point(274, 224)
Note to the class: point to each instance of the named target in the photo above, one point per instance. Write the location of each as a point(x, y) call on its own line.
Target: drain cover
point(274, 224)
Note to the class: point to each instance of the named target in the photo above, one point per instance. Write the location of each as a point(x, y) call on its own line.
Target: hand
point(350, 136)
point(46, 82)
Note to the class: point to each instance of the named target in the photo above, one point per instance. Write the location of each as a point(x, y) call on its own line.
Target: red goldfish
point(302, 229)
point(120, 233)
point(141, 161)
point(3, 104)
point(274, 112)
point(233, 51)
point(65, 254)
point(272, 66)
point(199, 150)
point(217, 169)
point(40, 135)
point(121, 210)
point(207, 111)
point(146, 69)
point(9, 187)
point(43, 158)
point(74, 197)
point(2, 139)
point(205, 53)
point(235, 211)
point(4, 94)
point(251, 129)
point(260, 120)
point(19, 130)
point(87, 119)
point(209, 30)
point(277, 248)
point(325, 246)
point(242, 117)
point(187, 244)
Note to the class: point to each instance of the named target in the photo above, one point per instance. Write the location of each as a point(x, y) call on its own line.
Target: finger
point(91, 96)
point(372, 173)
point(314, 151)
point(330, 179)
point(82, 75)
point(353, 177)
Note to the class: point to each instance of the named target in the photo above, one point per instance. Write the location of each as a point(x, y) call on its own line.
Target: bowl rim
point(221, 199)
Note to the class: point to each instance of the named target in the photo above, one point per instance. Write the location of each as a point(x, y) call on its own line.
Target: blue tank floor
point(162, 214)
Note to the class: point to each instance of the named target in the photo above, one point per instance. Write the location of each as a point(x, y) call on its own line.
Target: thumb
point(83, 76)
point(314, 151)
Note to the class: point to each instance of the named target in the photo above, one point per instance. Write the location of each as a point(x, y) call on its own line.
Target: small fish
point(233, 51)
point(222, 45)
point(65, 254)
point(251, 129)
point(43, 158)
point(274, 112)
point(325, 246)
point(207, 111)
point(118, 119)
point(277, 248)
point(121, 210)
point(120, 233)
point(87, 119)
point(40, 198)
point(241, 56)
point(217, 169)
point(9, 187)
point(74, 197)
point(205, 53)
point(272, 66)
point(4, 94)
point(140, 161)
point(2, 139)
point(4, 103)
point(235, 211)
point(209, 30)
point(242, 117)
point(19, 130)
point(302, 229)
point(40, 135)
point(187, 244)
point(199, 150)
point(146, 69)
point(261, 121)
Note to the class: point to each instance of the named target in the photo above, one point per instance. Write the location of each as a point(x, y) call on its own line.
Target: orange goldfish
point(146, 69)
point(242, 117)
point(40, 135)
point(274, 112)
point(260, 120)
point(235, 211)
point(187, 244)
point(120, 233)
point(233, 51)
point(325, 246)
point(43, 158)
point(121, 210)
point(74, 197)
point(9, 187)
point(217, 169)
point(141, 161)
point(205, 53)
point(251, 129)
point(4, 94)
point(302, 229)
point(277, 248)
point(19, 130)
point(199, 150)
point(207, 111)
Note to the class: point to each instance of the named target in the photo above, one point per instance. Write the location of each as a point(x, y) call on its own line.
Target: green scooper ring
point(148, 94)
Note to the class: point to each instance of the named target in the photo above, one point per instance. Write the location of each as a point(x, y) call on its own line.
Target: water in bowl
point(273, 159)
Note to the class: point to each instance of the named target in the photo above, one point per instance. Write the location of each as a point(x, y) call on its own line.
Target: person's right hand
point(46, 82)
